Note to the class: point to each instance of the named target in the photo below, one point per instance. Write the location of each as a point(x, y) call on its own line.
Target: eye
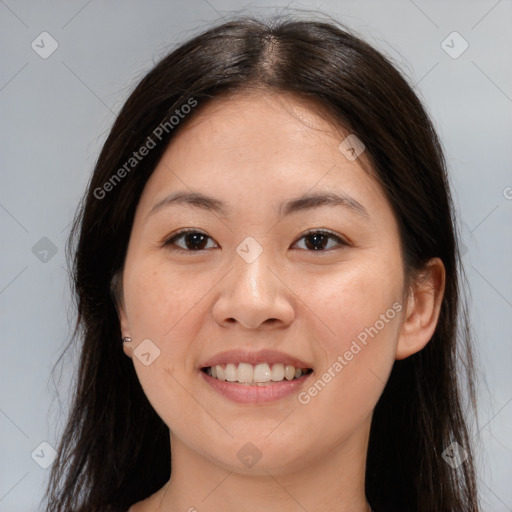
point(193, 240)
point(317, 240)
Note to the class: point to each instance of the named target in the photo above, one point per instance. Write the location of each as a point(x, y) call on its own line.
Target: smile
point(254, 377)
point(262, 374)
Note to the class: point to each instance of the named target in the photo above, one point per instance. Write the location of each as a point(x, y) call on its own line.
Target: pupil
point(316, 238)
point(197, 238)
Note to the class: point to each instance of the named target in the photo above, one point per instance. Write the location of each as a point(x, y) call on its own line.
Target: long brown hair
point(101, 464)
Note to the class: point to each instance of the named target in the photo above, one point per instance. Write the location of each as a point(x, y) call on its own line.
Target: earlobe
point(125, 330)
point(423, 309)
point(118, 298)
point(127, 346)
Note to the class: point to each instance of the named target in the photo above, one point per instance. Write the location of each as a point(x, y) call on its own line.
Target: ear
point(116, 289)
point(423, 308)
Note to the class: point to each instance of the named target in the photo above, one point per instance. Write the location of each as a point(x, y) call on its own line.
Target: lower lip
point(242, 393)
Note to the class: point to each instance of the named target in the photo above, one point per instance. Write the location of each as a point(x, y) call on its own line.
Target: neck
point(332, 481)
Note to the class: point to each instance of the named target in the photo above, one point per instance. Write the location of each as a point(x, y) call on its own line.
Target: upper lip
point(260, 356)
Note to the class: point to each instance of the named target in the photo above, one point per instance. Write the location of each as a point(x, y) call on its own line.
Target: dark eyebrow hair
point(304, 202)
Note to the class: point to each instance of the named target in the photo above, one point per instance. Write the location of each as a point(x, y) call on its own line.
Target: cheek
point(157, 299)
point(359, 313)
point(160, 305)
point(352, 299)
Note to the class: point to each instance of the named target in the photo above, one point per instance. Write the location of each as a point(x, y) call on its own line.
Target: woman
point(269, 230)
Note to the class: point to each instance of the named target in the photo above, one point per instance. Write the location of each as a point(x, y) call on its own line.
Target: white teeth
point(289, 372)
point(245, 372)
point(260, 374)
point(277, 372)
point(231, 372)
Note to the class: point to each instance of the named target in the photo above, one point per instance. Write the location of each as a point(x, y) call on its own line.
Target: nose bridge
point(254, 279)
point(252, 293)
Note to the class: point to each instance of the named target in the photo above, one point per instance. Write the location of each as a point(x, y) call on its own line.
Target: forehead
point(250, 146)
point(244, 120)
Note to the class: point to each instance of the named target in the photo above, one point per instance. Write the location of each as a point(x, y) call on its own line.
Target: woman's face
point(250, 280)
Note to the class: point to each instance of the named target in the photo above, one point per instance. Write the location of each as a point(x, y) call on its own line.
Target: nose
point(254, 296)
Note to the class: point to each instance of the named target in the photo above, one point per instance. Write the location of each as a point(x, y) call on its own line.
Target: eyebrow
point(302, 203)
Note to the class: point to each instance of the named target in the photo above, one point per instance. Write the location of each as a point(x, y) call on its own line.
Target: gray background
point(56, 112)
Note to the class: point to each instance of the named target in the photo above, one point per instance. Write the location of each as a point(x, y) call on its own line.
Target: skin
point(252, 151)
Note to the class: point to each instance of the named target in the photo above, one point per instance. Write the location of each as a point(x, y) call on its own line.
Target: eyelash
point(170, 241)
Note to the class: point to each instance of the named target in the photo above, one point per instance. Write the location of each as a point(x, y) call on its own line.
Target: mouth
point(255, 377)
point(262, 374)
